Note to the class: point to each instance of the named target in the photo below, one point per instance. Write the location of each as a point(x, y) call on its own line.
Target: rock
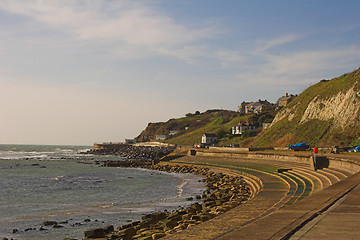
point(186, 216)
point(204, 217)
point(146, 238)
point(128, 233)
point(109, 229)
point(95, 233)
point(170, 225)
point(49, 223)
point(195, 217)
point(29, 229)
point(15, 230)
point(87, 220)
point(58, 226)
point(158, 235)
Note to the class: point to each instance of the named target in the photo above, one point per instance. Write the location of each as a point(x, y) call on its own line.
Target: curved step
point(299, 191)
point(331, 176)
point(325, 180)
point(346, 173)
point(308, 184)
point(316, 181)
point(339, 174)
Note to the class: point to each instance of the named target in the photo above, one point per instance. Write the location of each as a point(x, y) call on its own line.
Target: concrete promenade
point(294, 221)
point(340, 221)
point(331, 212)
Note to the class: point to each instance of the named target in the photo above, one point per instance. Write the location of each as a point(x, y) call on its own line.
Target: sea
point(40, 183)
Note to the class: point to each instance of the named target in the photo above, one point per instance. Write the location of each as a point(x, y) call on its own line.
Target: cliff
point(325, 114)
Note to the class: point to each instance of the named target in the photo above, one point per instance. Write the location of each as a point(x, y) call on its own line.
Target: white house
point(208, 138)
point(241, 127)
point(162, 137)
point(173, 132)
point(266, 125)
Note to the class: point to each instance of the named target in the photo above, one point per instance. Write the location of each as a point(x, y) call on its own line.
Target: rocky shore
point(134, 152)
point(223, 193)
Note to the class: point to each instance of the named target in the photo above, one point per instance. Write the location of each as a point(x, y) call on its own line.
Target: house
point(173, 132)
point(162, 137)
point(254, 107)
point(208, 138)
point(266, 125)
point(285, 100)
point(241, 108)
point(241, 127)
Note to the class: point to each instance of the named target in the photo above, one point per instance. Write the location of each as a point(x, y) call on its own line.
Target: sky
point(85, 71)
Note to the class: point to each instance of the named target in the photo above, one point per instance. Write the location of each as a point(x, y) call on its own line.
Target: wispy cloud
point(127, 22)
point(228, 58)
point(301, 68)
point(308, 62)
point(264, 45)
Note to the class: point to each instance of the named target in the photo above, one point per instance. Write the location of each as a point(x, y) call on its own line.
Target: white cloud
point(129, 22)
point(228, 58)
point(310, 62)
point(301, 69)
point(186, 52)
point(264, 45)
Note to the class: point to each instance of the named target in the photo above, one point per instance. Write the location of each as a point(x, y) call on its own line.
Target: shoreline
point(223, 192)
point(169, 201)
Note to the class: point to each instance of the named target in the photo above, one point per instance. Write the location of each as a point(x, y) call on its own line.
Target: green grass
point(314, 132)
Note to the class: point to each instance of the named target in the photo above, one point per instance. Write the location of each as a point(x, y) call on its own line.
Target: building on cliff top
point(254, 107)
point(285, 100)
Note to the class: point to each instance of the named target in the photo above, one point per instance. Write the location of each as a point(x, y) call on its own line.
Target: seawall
point(345, 162)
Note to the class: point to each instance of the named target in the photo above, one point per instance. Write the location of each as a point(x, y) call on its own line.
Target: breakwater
point(132, 152)
point(223, 193)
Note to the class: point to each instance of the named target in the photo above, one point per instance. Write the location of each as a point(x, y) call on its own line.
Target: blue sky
point(85, 71)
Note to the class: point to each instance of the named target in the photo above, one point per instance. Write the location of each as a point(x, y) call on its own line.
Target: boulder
point(95, 233)
point(49, 223)
point(108, 229)
point(170, 225)
point(158, 235)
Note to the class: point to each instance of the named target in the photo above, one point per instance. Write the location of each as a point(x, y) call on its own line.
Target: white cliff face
point(289, 113)
point(343, 109)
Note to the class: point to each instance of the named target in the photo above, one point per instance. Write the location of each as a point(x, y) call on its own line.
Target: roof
point(210, 134)
point(285, 98)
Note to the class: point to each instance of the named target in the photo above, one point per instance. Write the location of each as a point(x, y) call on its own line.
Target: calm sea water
point(42, 183)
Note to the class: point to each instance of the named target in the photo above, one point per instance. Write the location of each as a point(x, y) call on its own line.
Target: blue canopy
point(302, 145)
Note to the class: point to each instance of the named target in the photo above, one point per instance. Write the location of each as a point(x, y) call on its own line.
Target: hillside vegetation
point(325, 114)
point(193, 126)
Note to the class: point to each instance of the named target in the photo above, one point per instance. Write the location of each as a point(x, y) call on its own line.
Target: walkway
point(287, 202)
point(340, 221)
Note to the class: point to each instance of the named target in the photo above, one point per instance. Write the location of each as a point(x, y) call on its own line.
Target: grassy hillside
point(193, 126)
point(316, 132)
point(325, 114)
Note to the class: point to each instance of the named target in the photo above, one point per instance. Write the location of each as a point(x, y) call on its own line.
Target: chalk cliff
point(327, 113)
